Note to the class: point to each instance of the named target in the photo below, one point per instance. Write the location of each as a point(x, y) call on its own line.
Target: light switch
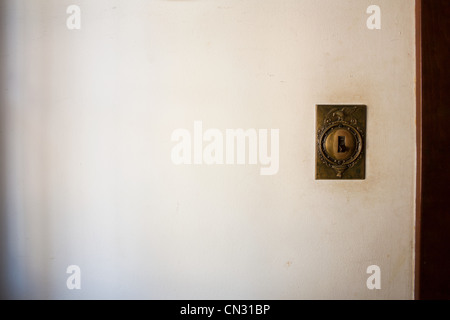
point(340, 141)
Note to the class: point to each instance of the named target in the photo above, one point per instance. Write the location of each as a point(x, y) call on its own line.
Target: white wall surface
point(87, 177)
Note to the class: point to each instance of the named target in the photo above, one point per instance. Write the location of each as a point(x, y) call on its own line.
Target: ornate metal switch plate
point(340, 141)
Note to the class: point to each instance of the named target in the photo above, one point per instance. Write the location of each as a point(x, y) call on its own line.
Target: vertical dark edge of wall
point(419, 147)
point(433, 211)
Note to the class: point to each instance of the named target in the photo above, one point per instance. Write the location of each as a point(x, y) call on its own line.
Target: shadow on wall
point(3, 204)
point(24, 225)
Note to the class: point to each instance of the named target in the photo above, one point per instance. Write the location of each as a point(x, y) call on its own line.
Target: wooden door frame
point(432, 253)
point(419, 147)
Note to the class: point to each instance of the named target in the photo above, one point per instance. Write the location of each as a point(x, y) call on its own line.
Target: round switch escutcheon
point(340, 146)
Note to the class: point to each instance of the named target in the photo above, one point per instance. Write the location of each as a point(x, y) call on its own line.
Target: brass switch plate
point(340, 141)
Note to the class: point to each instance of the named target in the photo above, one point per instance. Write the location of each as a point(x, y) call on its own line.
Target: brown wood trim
point(433, 130)
point(419, 147)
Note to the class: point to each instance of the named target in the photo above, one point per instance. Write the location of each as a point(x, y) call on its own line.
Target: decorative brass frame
point(351, 118)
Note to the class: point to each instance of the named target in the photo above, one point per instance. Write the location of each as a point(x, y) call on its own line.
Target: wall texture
point(87, 176)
